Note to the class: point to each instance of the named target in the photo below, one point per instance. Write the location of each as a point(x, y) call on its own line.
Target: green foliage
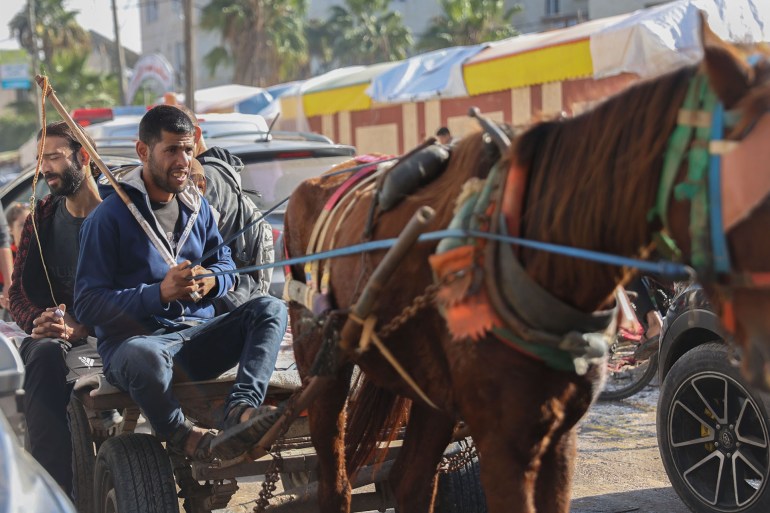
point(469, 22)
point(15, 130)
point(367, 32)
point(78, 87)
point(55, 29)
point(262, 39)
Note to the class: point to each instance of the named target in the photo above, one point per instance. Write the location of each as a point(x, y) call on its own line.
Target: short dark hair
point(63, 130)
point(443, 131)
point(164, 117)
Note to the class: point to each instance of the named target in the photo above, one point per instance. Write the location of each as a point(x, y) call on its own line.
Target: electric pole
point(35, 65)
point(189, 61)
point(120, 57)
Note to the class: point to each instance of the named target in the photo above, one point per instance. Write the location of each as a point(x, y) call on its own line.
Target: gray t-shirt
point(170, 221)
point(61, 253)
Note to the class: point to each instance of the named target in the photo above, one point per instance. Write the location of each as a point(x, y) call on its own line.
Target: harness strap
point(369, 335)
point(677, 146)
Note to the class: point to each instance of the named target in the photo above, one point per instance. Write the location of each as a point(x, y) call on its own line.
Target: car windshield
point(273, 181)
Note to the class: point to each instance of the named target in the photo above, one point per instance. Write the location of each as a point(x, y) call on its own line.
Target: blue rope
point(234, 236)
point(665, 268)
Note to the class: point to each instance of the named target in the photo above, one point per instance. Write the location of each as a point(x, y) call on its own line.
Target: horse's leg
point(557, 465)
point(413, 476)
point(554, 480)
point(325, 414)
point(327, 430)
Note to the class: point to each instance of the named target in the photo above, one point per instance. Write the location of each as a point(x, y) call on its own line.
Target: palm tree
point(367, 32)
point(263, 39)
point(469, 22)
point(55, 30)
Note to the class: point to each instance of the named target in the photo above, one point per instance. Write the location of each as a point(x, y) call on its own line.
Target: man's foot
point(242, 428)
point(192, 442)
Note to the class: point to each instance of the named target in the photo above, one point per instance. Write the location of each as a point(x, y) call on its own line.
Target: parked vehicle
point(25, 485)
point(713, 428)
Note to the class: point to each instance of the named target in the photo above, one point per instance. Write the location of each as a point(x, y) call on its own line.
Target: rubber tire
point(133, 475)
point(83, 456)
point(709, 359)
point(636, 386)
point(460, 491)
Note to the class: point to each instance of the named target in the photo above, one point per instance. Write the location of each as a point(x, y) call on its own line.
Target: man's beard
point(160, 178)
point(69, 181)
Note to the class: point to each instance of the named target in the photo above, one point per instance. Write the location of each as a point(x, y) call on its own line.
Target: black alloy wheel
point(713, 434)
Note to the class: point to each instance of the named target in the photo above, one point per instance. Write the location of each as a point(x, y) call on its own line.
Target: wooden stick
point(83, 140)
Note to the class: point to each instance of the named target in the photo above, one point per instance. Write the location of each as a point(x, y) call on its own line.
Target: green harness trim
point(700, 97)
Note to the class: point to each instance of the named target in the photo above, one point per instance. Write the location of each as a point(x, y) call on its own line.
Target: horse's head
point(741, 289)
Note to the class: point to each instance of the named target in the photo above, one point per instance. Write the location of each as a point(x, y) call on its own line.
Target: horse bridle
point(700, 131)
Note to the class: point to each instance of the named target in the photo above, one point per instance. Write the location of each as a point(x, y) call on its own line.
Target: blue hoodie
point(117, 287)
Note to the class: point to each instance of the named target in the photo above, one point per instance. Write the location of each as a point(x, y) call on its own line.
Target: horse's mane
point(592, 179)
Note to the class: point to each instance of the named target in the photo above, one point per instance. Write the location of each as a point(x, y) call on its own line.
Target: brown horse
point(591, 181)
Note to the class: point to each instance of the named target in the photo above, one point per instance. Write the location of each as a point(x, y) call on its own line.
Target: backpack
point(255, 246)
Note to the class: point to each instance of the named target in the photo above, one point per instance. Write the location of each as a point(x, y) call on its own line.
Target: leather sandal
point(177, 441)
point(237, 436)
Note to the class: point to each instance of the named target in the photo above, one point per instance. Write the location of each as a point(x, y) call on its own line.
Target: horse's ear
point(729, 74)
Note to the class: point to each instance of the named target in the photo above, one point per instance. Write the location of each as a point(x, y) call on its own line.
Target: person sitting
point(155, 323)
point(44, 309)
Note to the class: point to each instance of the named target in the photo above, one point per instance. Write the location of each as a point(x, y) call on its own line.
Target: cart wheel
point(295, 479)
point(133, 475)
point(460, 491)
point(83, 456)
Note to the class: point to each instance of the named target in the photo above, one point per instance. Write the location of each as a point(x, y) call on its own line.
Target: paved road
point(618, 468)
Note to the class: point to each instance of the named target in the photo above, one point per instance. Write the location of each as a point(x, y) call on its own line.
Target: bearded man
point(156, 324)
point(41, 296)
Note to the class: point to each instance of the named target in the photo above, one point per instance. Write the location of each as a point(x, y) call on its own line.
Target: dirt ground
point(618, 469)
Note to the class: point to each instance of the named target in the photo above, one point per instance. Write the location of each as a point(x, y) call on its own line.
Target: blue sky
point(94, 14)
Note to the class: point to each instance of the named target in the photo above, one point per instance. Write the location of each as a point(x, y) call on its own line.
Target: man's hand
point(205, 284)
point(177, 284)
point(49, 324)
point(74, 330)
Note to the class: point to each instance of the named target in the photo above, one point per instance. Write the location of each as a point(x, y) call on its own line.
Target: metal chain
point(418, 303)
point(462, 459)
point(272, 476)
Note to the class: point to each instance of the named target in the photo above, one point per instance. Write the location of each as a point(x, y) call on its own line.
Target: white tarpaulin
point(654, 41)
point(436, 74)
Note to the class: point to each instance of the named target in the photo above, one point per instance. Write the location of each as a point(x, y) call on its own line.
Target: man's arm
point(97, 300)
point(23, 310)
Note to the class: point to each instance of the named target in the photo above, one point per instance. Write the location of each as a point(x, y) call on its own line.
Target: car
point(713, 427)
point(25, 485)
point(273, 168)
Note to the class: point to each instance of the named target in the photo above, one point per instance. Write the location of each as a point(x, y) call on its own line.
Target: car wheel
point(713, 434)
point(133, 475)
point(83, 456)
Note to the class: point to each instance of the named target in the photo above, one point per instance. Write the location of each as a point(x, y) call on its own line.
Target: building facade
point(162, 25)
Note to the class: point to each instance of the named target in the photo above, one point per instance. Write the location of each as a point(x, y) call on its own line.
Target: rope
point(368, 335)
point(672, 270)
point(32, 200)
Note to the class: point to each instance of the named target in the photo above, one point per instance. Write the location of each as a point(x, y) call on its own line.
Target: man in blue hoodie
point(143, 310)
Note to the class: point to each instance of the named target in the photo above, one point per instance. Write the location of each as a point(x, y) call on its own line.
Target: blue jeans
point(249, 336)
